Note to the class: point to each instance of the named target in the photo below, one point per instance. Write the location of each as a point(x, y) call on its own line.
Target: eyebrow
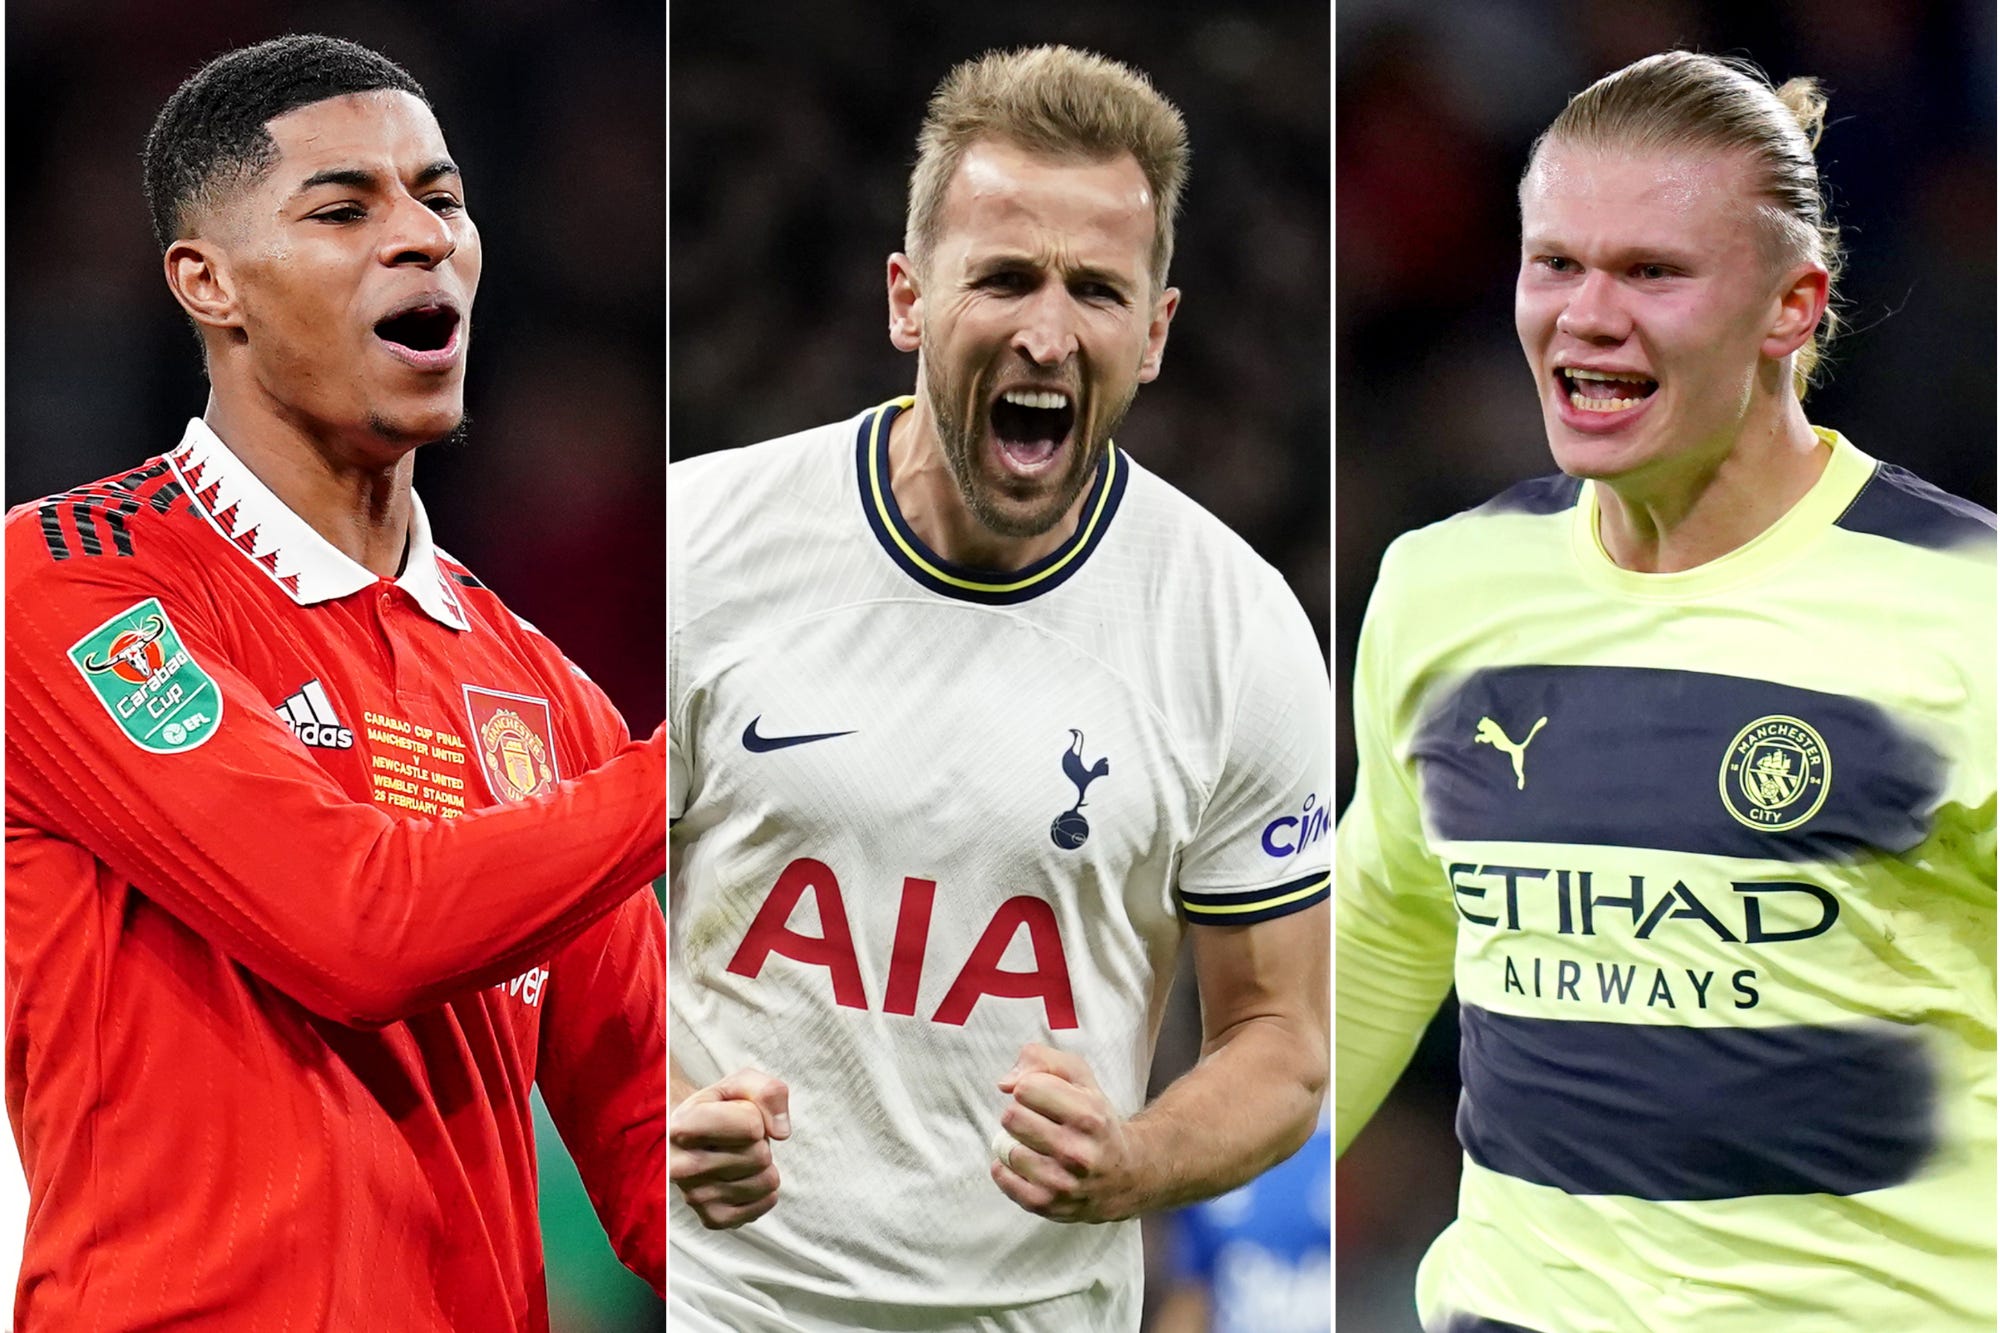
point(1662, 253)
point(1081, 273)
point(360, 178)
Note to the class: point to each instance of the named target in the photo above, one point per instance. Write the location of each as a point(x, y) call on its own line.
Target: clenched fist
point(1062, 1151)
point(719, 1143)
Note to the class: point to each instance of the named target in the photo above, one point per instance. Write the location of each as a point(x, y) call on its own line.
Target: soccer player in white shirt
point(972, 719)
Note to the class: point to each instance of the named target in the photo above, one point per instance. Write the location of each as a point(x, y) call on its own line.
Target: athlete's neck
point(359, 500)
point(1701, 504)
point(928, 497)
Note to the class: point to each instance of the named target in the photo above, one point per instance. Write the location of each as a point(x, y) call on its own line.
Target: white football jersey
point(926, 814)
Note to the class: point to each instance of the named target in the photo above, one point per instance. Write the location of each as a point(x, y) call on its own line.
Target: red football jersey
point(310, 876)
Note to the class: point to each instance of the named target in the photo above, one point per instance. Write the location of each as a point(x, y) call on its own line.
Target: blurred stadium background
point(556, 114)
point(1435, 108)
point(793, 127)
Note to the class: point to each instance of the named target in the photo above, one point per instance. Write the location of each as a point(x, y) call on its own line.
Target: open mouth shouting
point(1030, 426)
point(1596, 399)
point(424, 333)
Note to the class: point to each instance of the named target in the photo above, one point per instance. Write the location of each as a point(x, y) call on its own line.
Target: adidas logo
point(309, 714)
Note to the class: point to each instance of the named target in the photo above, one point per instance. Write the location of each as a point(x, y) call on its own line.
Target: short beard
point(961, 441)
point(389, 432)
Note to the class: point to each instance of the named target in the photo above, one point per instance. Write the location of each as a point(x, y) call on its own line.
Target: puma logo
point(1489, 733)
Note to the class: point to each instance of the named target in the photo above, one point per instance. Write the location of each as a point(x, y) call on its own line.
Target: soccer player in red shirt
point(317, 857)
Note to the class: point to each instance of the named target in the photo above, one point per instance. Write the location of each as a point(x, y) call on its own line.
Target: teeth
point(1603, 404)
point(1042, 398)
point(1586, 403)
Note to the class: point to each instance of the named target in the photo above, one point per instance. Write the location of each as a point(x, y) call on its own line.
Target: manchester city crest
point(1775, 774)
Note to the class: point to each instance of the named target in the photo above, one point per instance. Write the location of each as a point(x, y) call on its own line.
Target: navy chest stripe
point(1675, 761)
point(1677, 1113)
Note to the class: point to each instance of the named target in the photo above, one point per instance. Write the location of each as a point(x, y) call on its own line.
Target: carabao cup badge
point(515, 740)
point(144, 676)
point(1776, 774)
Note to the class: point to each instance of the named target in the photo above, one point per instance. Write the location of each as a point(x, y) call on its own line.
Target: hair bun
point(1806, 101)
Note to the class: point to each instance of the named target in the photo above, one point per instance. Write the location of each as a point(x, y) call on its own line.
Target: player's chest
point(943, 740)
point(1672, 758)
point(416, 716)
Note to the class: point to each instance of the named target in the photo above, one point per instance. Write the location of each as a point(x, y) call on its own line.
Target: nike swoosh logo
point(759, 744)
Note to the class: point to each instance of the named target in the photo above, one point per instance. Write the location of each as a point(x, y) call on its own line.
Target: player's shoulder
point(137, 523)
point(1179, 539)
point(1539, 505)
point(738, 519)
point(748, 481)
point(1897, 505)
point(487, 612)
point(520, 641)
point(480, 604)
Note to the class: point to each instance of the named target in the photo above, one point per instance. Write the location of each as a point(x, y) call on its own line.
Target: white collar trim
point(306, 565)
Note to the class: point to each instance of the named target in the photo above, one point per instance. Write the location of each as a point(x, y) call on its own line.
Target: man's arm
point(1252, 884)
point(1394, 924)
point(602, 1072)
point(1396, 956)
point(360, 917)
point(1249, 1102)
point(721, 1137)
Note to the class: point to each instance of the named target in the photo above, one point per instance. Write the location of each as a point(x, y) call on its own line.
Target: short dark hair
point(211, 133)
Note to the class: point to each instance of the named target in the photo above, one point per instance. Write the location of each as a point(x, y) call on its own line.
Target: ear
point(198, 275)
point(906, 304)
point(1156, 334)
point(1801, 303)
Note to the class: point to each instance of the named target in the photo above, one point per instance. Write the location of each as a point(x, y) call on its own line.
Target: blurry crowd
point(1436, 410)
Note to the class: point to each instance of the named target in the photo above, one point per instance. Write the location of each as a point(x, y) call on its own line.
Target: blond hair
point(1682, 99)
point(1053, 100)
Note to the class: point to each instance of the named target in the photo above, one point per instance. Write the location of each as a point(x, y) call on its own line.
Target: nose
point(1593, 312)
point(1047, 333)
point(417, 235)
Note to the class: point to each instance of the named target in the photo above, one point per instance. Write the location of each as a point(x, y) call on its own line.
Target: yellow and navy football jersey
point(1709, 856)
point(925, 814)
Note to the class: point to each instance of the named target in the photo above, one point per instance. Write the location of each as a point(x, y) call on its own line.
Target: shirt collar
point(306, 565)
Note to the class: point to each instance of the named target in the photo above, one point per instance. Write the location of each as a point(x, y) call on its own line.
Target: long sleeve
point(361, 917)
point(603, 1073)
point(1394, 925)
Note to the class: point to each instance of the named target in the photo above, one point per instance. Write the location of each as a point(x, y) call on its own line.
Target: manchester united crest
point(515, 742)
point(1776, 774)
